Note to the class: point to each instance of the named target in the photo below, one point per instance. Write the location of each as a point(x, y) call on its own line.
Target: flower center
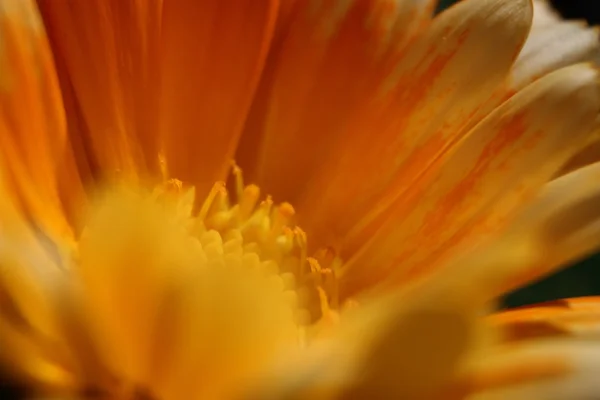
point(267, 232)
point(217, 292)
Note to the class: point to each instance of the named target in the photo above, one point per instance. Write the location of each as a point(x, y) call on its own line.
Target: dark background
point(583, 278)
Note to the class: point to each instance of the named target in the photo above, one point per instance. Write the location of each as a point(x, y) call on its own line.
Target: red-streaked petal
point(560, 226)
point(486, 179)
point(341, 143)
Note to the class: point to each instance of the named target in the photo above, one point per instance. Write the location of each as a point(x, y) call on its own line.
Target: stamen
point(210, 199)
point(248, 200)
point(257, 235)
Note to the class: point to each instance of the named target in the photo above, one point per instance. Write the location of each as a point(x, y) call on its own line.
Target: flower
point(432, 165)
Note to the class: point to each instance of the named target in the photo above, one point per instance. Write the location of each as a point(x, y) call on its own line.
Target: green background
point(581, 279)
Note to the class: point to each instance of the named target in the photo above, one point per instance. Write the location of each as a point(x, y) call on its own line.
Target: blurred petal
point(395, 362)
point(182, 300)
point(544, 370)
point(565, 221)
point(108, 50)
point(590, 154)
point(377, 351)
point(560, 226)
point(36, 156)
point(487, 177)
point(109, 260)
point(28, 332)
point(212, 56)
point(576, 317)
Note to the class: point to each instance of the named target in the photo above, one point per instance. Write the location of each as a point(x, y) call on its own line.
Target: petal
point(560, 226)
point(485, 179)
point(576, 317)
point(384, 349)
point(108, 50)
point(212, 55)
point(544, 15)
point(400, 361)
point(319, 149)
point(590, 154)
point(305, 90)
point(552, 47)
point(309, 93)
point(553, 43)
point(36, 156)
point(545, 370)
point(565, 221)
point(28, 332)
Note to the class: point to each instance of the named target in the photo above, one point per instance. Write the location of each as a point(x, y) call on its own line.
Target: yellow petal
point(117, 274)
point(383, 349)
point(489, 175)
point(212, 55)
point(400, 361)
point(36, 156)
point(188, 305)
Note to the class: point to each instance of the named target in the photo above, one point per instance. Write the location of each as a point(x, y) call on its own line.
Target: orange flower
point(432, 164)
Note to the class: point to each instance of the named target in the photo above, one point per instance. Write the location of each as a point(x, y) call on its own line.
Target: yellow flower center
point(218, 292)
point(261, 236)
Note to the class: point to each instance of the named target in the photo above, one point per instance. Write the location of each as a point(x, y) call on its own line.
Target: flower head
point(394, 174)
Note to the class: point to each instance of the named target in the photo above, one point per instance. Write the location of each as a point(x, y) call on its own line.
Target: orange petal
point(560, 226)
point(342, 142)
point(211, 59)
point(330, 59)
point(486, 178)
point(108, 50)
point(36, 154)
point(566, 317)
